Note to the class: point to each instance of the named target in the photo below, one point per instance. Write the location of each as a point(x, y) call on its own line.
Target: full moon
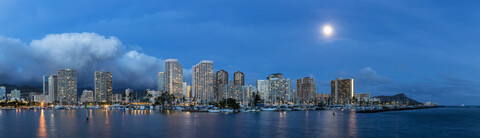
point(327, 30)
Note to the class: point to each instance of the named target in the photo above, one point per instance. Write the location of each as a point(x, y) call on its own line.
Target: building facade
point(87, 97)
point(221, 80)
point(239, 78)
point(174, 77)
point(45, 84)
point(342, 91)
point(263, 89)
point(129, 95)
point(103, 86)
point(67, 86)
point(52, 89)
point(3, 93)
point(117, 98)
point(306, 91)
point(161, 81)
point(202, 82)
point(15, 94)
point(275, 90)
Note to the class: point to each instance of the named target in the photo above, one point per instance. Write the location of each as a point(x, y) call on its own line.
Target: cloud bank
point(25, 63)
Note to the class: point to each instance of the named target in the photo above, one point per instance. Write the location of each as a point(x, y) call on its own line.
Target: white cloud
point(85, 52)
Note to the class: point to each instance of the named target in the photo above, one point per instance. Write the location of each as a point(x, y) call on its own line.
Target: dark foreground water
point(438, 122)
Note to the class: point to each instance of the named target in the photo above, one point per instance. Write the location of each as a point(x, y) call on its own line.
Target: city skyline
point(392, 48)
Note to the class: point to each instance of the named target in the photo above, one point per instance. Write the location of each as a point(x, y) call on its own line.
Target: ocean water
point(436, 122)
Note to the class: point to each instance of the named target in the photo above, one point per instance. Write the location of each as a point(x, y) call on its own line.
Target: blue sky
point(425, 49)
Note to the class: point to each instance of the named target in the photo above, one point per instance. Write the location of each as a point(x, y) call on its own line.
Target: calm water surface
point(438, 122)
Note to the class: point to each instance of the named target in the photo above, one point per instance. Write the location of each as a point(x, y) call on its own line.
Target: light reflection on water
point(42, 129)
point(151, 123)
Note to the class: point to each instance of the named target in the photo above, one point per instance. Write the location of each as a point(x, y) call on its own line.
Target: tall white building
point(185, 90)
point(52, 89)
point(103, 86)
point(161, 81)
point(86, 97)
point(128, 95)
point(202, 82)
point(67, 86)
point(275, 90)
point(174, 77)
point(263, 89)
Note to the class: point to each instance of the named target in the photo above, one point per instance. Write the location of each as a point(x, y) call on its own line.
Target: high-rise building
point(67, 86)
point(202, 81)
point(239, 78)
point(342, 91)
point(15, 94)
point(276, 89)
point(3, 93)
point(263, 89)
point(128, 95)
point(221, 79)
point(306, 91)
point(161, 81)
point(174, 77)
point(103, 86)
point(189, 91)
point(87, 97)
point(52, 89)
point(185, 90)
point(45, 84)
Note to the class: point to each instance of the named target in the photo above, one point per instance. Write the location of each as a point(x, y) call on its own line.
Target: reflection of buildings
point(174, 77)
point(202, 81)
point(103, 86)
point(306, 91)
point(342, 91)
point(67, 86)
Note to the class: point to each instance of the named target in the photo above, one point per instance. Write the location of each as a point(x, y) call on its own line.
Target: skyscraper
point(185, 90)
point(342, 91)
point(306, 91)
point(86, 97)
point(239, 78)
point(276, 89)
point(3, 93)
point(45, 84)
point(161, 81)
point(263, 89)
point(67, 86)
point(129, 95)
point(52, 89)
point(103, 86)
point(202, 81)
point(221, 80)
point(174, 77)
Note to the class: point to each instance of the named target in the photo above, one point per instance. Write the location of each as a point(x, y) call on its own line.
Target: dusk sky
point(425, 49)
